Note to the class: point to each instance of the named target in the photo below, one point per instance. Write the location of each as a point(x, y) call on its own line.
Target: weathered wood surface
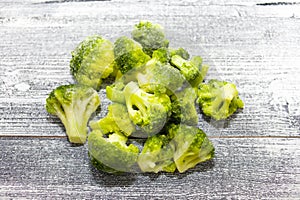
point(252, 43)
point(242, 169)
point(257, 47)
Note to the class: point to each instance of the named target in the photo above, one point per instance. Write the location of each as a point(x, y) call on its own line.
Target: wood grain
point(254, 44)
point(243, 43)
point(242, 169)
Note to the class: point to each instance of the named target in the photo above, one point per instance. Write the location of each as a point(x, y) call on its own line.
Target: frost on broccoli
point(157, 155)
point(116, 120)
point(150, 36)
point(129, 54)
point(149, 111)
point(219, 99)
point(190, 145)
point(184, 107)
point(111, 152)
point(92, 61)
point(192, 70)
point(73, 104)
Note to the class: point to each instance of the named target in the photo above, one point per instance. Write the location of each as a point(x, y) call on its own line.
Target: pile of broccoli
point(152, 121)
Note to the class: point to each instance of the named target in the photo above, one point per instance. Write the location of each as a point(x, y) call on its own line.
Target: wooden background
point(255, 44)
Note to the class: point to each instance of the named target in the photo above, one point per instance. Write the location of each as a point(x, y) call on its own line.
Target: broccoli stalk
point(219, 99)
point(150, 36)
point(190, 145)
point(73, 104)
point(117, 120)
point(112, 152)
point(192, 70)
point(92, 61)
point(157, 155)
point(148, 111)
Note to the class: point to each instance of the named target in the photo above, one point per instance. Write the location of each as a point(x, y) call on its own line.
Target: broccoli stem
point(75, 123)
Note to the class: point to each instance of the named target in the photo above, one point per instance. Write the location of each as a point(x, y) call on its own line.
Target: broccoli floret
point(157, 155)
point(180, 52)
point(129, 54)
point(184, 108)
point(191, 146)
point(115, 93)
point(92, 61)
point(150, 36)
point(148, 111)
point(112, 151)
point(162, 55)
point(73, 104)
point(192, 70)
point(158, 77)
point(218, 99)
point(117, 120)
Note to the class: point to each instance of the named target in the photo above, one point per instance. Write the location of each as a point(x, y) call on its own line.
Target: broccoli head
point(150, 36)
point(192, 70)
point(184, 108)
point(111, 151)
point(92, 61)
point(157, 155)
point(180, 52)
point(117, 120)
point(128, 54)
point(218, 99)
point(160, 78)
point(191, 146)
point(73, 104)
point(162, 55)
point(149, 111)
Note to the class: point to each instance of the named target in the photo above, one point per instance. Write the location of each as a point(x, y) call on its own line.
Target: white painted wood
point(254, 44)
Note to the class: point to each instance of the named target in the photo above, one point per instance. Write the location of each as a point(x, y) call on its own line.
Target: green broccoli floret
point(112, 151)
point(92, 61)
point(116, 120)
point(192, 70)
point(191, 146)
point(184, 108)
point(115, 93)
point(150, 36)
point(180, 52)
point(160, 78)
point(73, 104)
point(157, 155)
point(129, 54)
point(149, 111)
point(162, 55)
point(218, 99)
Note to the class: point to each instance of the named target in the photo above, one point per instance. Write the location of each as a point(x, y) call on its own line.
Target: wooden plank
point(248, 44)
point(257, 168)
